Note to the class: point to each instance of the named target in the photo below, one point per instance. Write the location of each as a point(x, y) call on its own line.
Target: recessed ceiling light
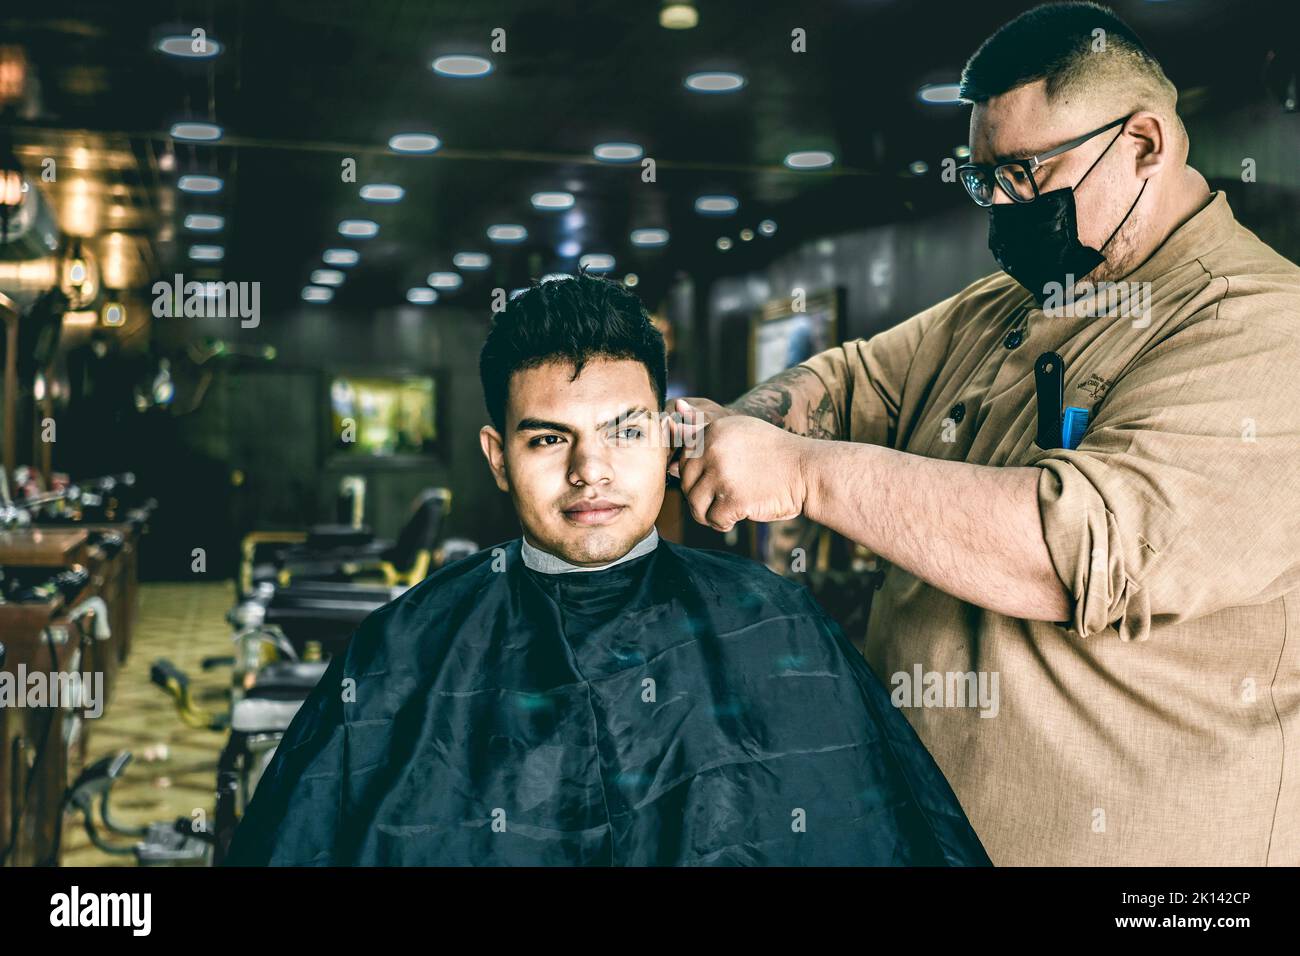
point(359, 228)
point(746, 235)
point(618, 152)
point(326, 277)
point(714, 81)
point(316, 293)
point(724, 243)
point(195, 132)
point(962, 151)
point(207, 253)
point(445, 280)
point(185, 46)
point(631, 279)
point(569, 248)
point(716, 205)
point(471, 261)
point(382, 192)
point(940, 93)
point(649, 237)
point(767, 228)
point(199, 184)
point(678, 16)
point(421, 296)
point(810, 159)
point(919, 168)
point(204, 222)
point(597, 262)
point(341, 257)
point(462, 65)
point(553, 200)
point(507, 232)
point(414, 143)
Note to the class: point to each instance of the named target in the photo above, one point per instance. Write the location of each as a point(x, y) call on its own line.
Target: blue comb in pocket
point(1073, 424)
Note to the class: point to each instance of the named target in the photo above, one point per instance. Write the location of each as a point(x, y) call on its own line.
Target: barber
point(1135, 590)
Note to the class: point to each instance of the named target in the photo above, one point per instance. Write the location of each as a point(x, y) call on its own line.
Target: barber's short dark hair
point(1056, 42)
point(573, 319)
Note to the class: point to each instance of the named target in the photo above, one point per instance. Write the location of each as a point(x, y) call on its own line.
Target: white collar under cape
point(547, 563)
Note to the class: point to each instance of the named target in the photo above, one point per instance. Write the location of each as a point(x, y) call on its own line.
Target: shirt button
point(1014, 338)
point(958, 412)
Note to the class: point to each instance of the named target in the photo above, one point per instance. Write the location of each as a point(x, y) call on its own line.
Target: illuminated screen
point(383, 416)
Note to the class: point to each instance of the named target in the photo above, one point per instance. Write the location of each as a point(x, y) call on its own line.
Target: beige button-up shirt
point(1161, 723)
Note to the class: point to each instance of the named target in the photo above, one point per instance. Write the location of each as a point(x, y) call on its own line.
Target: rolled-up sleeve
point(1183, 496)
point(864, 378)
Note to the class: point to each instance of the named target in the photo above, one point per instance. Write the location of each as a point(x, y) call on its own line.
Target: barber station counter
point(43, 747)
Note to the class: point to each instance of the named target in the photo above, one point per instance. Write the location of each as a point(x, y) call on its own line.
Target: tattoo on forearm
point(794, 400)
point(821, 420)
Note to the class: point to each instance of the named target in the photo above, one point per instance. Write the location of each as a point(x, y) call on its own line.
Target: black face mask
point(1037, 243)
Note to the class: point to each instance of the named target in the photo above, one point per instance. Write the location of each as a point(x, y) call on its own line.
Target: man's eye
point(631, 433)
point(541, 440)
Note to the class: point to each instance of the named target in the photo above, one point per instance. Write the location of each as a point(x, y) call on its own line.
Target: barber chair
point(344, 554)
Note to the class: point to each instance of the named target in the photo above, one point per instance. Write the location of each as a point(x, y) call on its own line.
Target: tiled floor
point(173, 772)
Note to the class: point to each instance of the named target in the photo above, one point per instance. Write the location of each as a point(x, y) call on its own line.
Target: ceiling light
point(746, 235)
point(569, 248)
point(810, 159)
point(678, 16)
point(199, 184)
point(649, 237)
point(114, 314)
point(962, 151)
point(724, 243)
point(414, 143)
point(767, 228)
point(195, 132)
point(359, 228)
point(207, 253)
point(341, 257)
point(326, 277)
point(184, 46)
point(316, 293)
point(940, 93)
point(919, 168)
point(631, 279)
point(507, 232)
point(462, 65)
point(421, 296)
point(554, 200)
point(471, 261)
point(382, 192)
point(445, 280)
point(618, 152)
point(204, 222)
point(597, 262)
point(719, 81)
point(716, 205)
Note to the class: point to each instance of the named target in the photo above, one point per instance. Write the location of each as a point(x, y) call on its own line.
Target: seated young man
point(589, 693)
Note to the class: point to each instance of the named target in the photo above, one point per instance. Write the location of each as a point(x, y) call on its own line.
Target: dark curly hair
point(570, 318)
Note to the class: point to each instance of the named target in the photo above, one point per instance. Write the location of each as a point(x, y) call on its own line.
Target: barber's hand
point(706, 410)
point(736, 467)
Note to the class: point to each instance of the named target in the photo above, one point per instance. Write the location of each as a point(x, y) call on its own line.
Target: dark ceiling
point(303, 84)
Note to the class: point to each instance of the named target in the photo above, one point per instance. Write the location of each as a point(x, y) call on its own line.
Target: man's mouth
point(593, 511)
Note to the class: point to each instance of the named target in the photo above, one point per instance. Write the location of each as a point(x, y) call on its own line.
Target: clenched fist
point(736, 467)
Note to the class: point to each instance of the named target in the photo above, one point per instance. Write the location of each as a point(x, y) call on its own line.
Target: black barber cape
point(681, 708)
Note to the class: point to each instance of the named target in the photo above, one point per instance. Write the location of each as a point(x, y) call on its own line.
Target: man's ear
point(1153, 143)
point(493, 450)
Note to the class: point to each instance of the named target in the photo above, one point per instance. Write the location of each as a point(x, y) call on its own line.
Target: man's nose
point(590, 463)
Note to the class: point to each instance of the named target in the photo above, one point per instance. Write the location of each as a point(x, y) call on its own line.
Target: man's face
point(1021, 123)
point(581, 459)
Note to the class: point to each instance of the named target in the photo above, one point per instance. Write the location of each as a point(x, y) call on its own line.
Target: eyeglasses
point(1016, 176)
